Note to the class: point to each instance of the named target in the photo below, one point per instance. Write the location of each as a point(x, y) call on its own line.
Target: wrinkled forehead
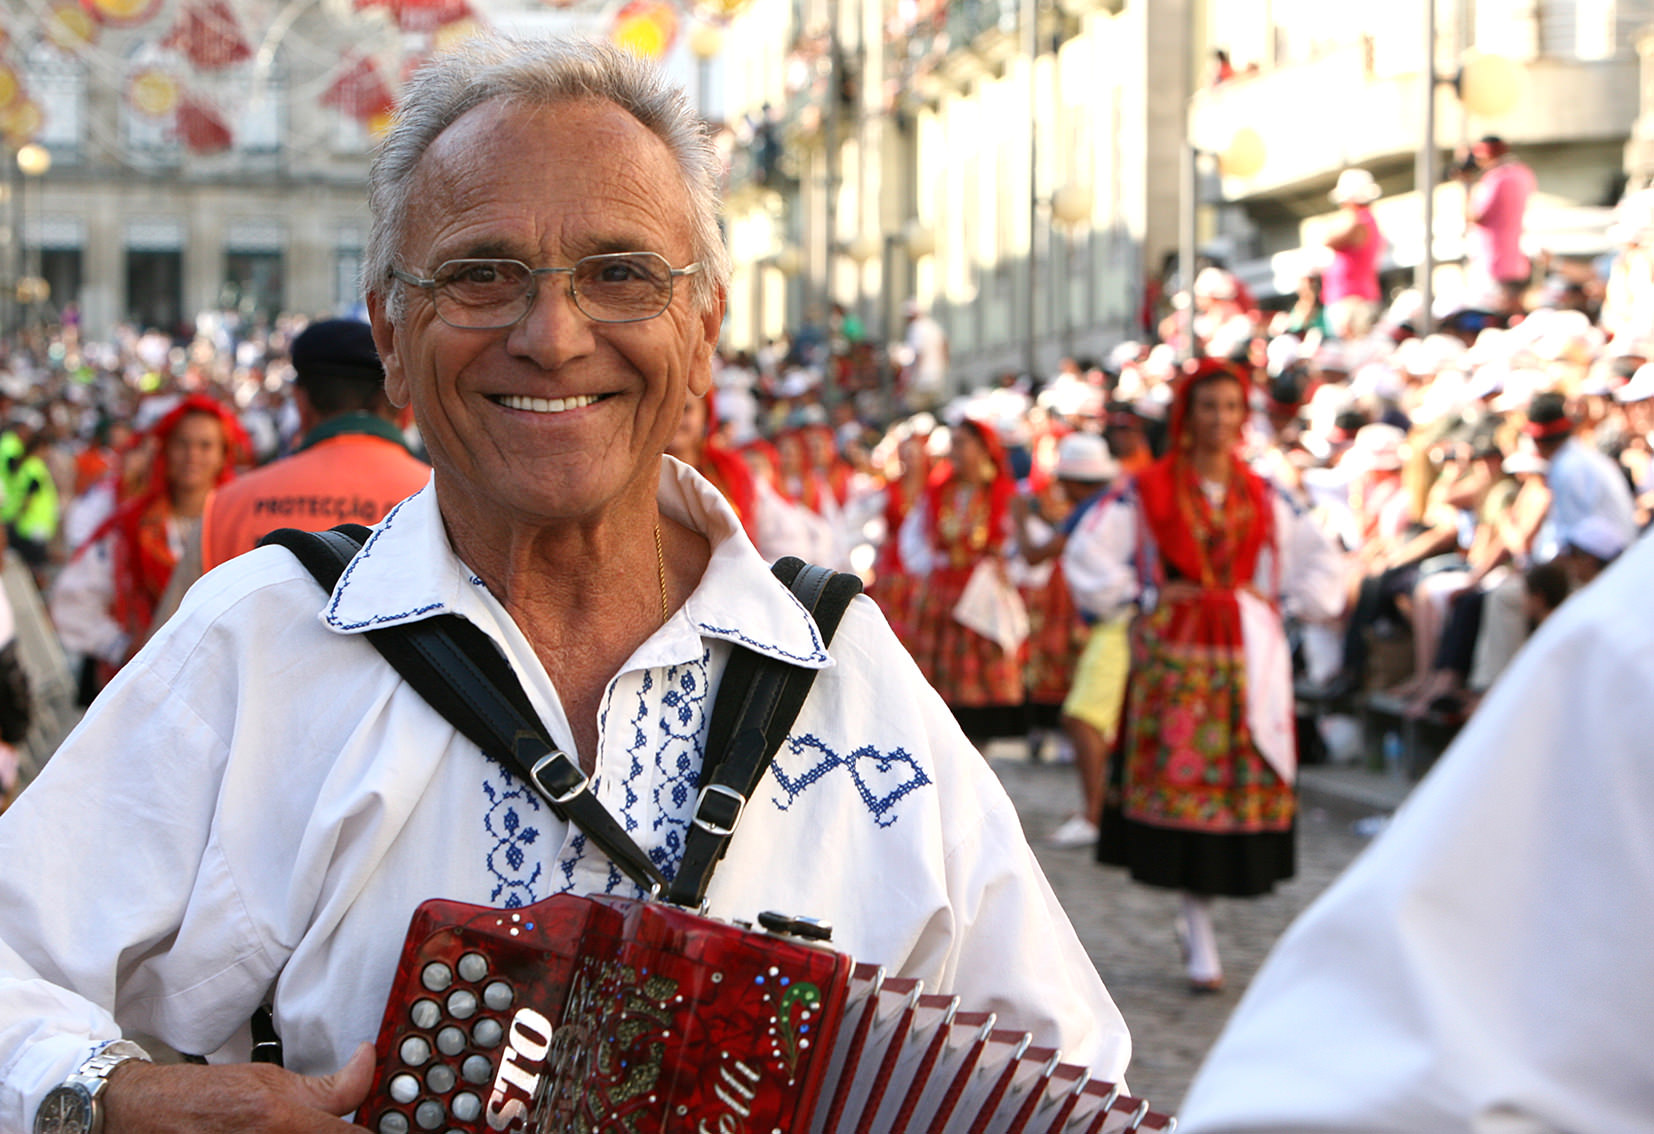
point(587, 158)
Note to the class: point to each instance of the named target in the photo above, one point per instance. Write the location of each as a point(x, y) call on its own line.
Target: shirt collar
point(407, 571)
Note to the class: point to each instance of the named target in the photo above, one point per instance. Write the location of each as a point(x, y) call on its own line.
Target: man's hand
point(234, 1098)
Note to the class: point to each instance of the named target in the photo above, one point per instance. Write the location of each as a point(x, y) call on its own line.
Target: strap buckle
point(558, 777)
point(719, 818)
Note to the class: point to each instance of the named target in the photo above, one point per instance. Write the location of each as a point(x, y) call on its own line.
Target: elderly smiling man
point(252, 811)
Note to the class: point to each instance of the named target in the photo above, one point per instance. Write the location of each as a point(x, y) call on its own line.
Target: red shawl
point(1207, 547)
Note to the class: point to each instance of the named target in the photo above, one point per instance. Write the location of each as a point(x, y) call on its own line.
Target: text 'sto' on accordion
point(595, 1015)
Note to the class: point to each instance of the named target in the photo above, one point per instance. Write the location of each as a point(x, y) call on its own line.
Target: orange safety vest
point(349, 478)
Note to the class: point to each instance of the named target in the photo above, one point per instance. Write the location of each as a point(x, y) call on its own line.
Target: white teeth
point(545, 405)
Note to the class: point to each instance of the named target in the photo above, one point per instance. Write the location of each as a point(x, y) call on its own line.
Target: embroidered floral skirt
point(1191, 804)
point(980, 681)
point(895, 592)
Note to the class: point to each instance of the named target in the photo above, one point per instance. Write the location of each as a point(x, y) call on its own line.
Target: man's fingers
point(343, 1091)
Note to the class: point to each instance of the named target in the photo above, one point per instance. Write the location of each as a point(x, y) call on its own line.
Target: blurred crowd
point(1472, 473)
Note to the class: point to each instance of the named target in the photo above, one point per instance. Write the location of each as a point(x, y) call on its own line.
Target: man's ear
point(384, 340)
point(712, 326)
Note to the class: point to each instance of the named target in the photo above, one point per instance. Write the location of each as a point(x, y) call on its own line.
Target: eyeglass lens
point(609, 288)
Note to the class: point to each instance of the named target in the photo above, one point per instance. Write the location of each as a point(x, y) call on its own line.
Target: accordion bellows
point(590, 1015)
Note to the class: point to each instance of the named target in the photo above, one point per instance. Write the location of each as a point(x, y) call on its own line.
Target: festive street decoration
point(70, 26)
point(359, 91)
point(200, 128)
point(121, 13)
point(208, 36)
point(20, 122)
point(646, 27)
point(153, 92)
point(420, 15)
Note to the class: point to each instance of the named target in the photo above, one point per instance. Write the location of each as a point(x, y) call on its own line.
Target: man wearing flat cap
point(352, 464)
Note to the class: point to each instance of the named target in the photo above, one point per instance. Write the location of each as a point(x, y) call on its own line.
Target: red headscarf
point(142, 555)
point(1212, 549)
point(1000, 489)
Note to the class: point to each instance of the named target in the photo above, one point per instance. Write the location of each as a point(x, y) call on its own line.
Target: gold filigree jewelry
point(660, 575)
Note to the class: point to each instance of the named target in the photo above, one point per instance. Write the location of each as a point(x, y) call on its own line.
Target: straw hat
point(1355, 186)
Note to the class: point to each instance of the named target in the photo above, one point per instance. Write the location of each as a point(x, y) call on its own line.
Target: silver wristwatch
point(76, 1105)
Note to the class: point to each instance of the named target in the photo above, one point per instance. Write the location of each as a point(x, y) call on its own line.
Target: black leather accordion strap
point(758, 700)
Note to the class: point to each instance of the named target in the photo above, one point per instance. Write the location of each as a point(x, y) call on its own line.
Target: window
point(57, 83)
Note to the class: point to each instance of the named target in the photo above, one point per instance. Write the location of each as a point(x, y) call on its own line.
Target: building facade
point(888, 149)
point(1009, 165)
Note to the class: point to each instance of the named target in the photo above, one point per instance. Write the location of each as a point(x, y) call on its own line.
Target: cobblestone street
point(1127, 928)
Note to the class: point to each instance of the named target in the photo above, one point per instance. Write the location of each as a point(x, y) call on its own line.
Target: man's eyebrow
point(608, 245)
point(488, 249)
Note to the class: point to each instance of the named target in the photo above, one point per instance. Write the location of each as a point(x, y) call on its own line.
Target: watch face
point(65, 1110)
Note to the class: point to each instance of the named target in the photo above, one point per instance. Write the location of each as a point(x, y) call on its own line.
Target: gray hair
point(538, 73)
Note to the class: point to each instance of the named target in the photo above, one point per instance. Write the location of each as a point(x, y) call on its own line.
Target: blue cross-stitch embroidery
point(680, 733)
point(882, 779)
point(615, 882)
point(512, 808)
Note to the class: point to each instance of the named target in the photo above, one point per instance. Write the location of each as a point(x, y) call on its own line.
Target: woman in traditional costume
point(1204, 801)
point(103, 603)
point(907, 474)
point(962, 524)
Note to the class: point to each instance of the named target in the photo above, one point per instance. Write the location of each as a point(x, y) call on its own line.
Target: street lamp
point(1070, 207)
point(34, 161)
point(1487, 86)
point(1243, 157)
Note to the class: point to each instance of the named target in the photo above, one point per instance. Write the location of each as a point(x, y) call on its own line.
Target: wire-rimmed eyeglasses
point(490, 295)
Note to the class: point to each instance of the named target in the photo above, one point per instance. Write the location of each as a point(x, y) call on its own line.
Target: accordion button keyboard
point(473, 967)
point(415, 1050)
point(404, 1088)
point(440, 1078)
point(425, 1014)
point(436, 976)
point(429, 1114)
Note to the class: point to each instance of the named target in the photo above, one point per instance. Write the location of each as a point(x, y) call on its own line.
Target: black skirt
point(1241, 865)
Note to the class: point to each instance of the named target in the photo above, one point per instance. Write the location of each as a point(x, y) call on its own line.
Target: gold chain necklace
point(660, 574)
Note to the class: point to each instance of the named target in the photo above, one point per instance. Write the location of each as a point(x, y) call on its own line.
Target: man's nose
point(555, 330)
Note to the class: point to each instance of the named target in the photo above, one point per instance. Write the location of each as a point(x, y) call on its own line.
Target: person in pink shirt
point(1495, 204)
point(1349, 285)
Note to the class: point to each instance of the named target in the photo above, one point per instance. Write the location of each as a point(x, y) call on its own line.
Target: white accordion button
point(488, 1033)
point(477, 1069)
point(440, 1078)
point(393, 1123)
point(425, 1014)
point(429, 1114)
point(436, 976)
point(497, 996)
point(450, 1040)
point(462, 1004)
point(404, 1088)
point(466, 1107)
point(473, 967)
point(415, 1050)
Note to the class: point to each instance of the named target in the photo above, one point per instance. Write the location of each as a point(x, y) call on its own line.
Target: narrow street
point(1127, 928)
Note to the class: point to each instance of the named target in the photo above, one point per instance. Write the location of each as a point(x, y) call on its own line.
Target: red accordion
point(582, 1015)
